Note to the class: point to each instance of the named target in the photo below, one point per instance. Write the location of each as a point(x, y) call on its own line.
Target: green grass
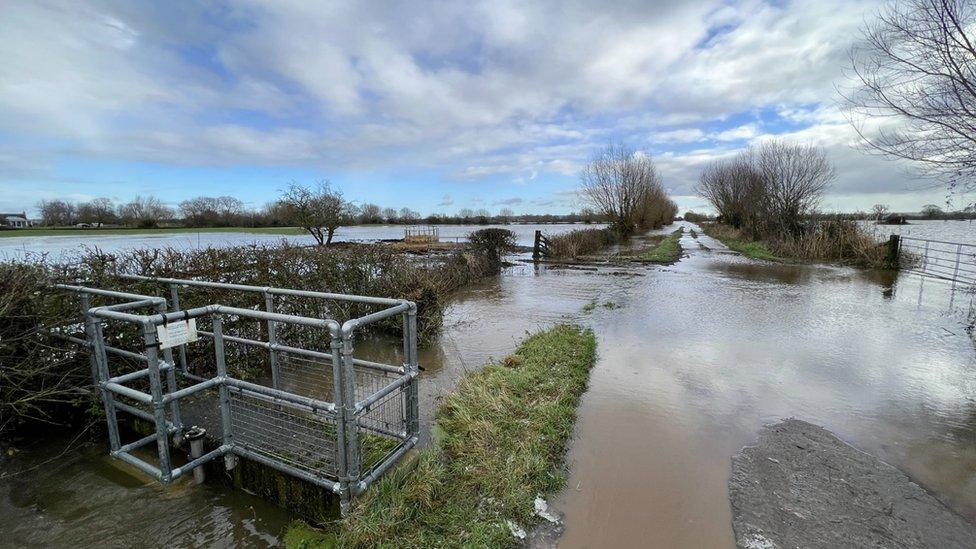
point(667, 250)
point(502, 441)
point(749, 248)
point(74, 231)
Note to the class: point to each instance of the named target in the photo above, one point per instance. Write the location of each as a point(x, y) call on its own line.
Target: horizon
point(434, 108)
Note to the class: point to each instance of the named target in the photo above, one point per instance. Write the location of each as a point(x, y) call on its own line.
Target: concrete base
point(801, 486)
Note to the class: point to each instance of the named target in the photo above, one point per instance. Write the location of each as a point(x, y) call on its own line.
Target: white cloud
point(514, 89)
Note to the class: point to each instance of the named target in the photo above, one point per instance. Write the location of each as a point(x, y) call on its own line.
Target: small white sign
point(177, 333)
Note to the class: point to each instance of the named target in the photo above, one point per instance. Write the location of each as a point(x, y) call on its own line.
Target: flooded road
point(693, 359)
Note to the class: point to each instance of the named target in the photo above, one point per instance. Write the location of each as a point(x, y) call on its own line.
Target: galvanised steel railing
point(328, 418)
point(953, 262)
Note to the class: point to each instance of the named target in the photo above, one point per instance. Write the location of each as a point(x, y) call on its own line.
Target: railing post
point(227, 435)
point(349, 404)
point(174, 296)
point(537, 246)
point(272, 338)
point(340, 424)
point(159, 409)
point(413, 400)
point(172, 386)
point(93, 329)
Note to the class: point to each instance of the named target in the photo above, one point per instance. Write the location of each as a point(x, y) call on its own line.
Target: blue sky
point(435, 106)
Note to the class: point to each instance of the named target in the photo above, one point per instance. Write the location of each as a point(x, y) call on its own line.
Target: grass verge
point(734, 241)
point(668, 250)
point(502, 444)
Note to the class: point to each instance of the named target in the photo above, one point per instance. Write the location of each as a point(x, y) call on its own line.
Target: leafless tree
point(409, 216)
point(879, 211)
point(795, 178)
point(144, 212)
point(370, 214)
point(56, 212)
point(736, 189)
point(916, 70)
point(621, 184)
point(390, 215)
point(97, 211)
point(204, 211)
point(320, 210)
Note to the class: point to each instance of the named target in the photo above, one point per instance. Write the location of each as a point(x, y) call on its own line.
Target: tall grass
point(832, 240)
point(579, 243)
point(504, 439)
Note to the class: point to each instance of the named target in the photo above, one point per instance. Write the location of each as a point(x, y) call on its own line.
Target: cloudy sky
point(434, 106)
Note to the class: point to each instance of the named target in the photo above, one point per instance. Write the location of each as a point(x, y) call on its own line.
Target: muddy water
point(693, 359)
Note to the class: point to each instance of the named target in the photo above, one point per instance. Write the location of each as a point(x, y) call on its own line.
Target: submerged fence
point(950, 263)
point(322, 415)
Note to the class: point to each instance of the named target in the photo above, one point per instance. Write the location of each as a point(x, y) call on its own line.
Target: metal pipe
point(195, 436)
point(192, 389)
point(127, 392)
point(312, 403)
point(383, 467)
point(174, 296)
point(225, 421)
point(272, 338)
point(299, 473)
point(138, 374)
point(139, 464)
point(106, 293)
point(389, 388)
point(159, 411)
point(196, 464)
point(108, 398)
point(304, 352)
point(276, 291)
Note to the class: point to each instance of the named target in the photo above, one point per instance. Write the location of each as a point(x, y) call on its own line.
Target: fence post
point(537, 246)
point(893, 245)
point(159, 409)
point(226, 422)
point(349, 421)
point(340, 425)
point(272, 338)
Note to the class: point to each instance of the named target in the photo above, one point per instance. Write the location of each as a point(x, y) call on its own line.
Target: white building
point(15, 220)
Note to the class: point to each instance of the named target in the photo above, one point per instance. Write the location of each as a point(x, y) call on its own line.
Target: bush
point(493, 244)
point(580, 242)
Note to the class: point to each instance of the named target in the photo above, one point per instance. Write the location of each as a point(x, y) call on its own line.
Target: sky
point(435, 106)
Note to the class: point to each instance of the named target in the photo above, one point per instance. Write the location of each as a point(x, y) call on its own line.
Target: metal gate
point(322, 415)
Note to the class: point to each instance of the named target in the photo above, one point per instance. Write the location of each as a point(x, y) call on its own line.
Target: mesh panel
point(290, 435)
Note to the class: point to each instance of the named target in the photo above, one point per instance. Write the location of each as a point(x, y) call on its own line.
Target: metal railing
point(324, 416)
point(951, 263)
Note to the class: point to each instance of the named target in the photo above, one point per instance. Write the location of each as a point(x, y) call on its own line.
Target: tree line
point(228, 211)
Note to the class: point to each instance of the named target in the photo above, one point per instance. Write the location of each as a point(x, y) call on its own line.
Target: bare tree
point(916, 69)
point(144, 212)
point(56, 212)
point(389, 215)
point(621, 183)
point(505, 215)
point(409, 216)
point(370, 214)
point(735, 188)
point(795, 178)
point(320, 210)
point(97, 211)
point(879, 211)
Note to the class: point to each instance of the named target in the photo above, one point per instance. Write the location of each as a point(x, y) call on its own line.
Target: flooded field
point(56, 246)
point(693, 359)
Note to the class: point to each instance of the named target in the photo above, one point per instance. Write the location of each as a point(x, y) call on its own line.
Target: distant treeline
point(227, 211)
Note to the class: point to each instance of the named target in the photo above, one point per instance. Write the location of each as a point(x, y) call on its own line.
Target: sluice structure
point(308, 408)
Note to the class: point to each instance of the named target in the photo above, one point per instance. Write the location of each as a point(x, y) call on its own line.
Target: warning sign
point(177, 333)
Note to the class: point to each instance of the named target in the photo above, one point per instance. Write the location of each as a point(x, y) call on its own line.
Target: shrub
point(492, 244)
point(580, 242)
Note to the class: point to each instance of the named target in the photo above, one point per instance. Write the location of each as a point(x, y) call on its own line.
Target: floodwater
point(950, 231)
point(58, 246)
point(693, 359)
